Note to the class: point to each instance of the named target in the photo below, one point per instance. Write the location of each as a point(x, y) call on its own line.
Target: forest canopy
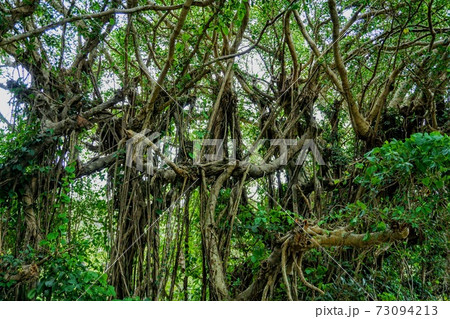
point(224, 150)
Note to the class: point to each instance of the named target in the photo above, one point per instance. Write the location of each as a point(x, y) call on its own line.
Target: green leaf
point(361, 205)
point(43, 242)
point(50, 282)
point(366, 236)
point(110, 291)
point(70, 169)
point(31, 294)
point(52, 235)
point(439, 183)
point(225, 30)
point(185, 37)
point(381, 226)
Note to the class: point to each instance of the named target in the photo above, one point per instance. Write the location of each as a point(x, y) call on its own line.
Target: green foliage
point(68, 270)
point(74, 67)
point(66, 277)
point(412, 178)
point(407, 182)
point(18, 144)
point(10, 265)
point(63, 276)
point(422, 159)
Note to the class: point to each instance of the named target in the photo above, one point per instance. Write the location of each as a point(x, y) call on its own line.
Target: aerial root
point(298, 263)
point(269, 286)
point(284, 248)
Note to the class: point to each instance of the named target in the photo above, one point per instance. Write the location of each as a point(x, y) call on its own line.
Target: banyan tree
point(224, 150)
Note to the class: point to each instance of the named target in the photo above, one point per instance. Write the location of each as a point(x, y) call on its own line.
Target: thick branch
point(170, 56)
point(97, 15)
point(359, 123)
point(305, 238)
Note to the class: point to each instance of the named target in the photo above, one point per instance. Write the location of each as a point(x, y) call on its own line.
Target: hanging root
point(302, 277)
point(269, 286)
point(294, 285)
point(283, 268)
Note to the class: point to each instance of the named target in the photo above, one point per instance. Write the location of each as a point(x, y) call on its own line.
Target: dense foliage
point(107, 186)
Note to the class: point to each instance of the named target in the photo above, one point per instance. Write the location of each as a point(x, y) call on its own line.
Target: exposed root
point(284, 248)
point(26, 273)
point(269, 286)
point(294, 285)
